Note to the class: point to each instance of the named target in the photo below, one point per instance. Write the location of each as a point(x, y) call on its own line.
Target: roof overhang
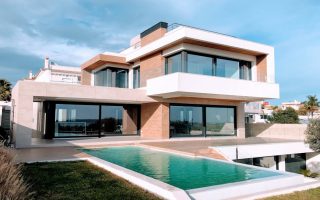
point(102, 59)
point(203, 38)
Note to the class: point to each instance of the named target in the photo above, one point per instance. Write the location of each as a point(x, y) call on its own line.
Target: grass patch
point(78, 180)
point(312, 194)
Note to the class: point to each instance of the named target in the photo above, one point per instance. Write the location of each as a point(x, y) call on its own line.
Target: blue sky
point(70, 32)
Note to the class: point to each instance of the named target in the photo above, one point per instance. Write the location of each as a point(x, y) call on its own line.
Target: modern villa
point(173, 81)
point(183, 87)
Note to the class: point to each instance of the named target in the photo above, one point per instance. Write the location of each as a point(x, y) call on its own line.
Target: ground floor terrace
point(293, 154)
point(279, 154)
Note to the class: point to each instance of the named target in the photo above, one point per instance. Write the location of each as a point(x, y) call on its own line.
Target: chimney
point(46, 63)
point(30, 74)
point(153, 33)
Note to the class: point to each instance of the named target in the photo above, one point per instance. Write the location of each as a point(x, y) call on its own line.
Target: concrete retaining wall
point(283, 131)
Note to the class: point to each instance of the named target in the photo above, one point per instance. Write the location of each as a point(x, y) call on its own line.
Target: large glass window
point(245, 70)
point(295, 162)
point(111, 119)
point(136, 77)
point(208, 65)
point(186, 121)
point(174, 64)
point(220, 121)
point(116, 119)
point(227, 68)
point(76, 120)
point(197, 64)
point(111, 77)
point(72, 120)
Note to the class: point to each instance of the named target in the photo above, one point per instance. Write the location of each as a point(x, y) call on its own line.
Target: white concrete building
point(293, 104)
point(54, 73)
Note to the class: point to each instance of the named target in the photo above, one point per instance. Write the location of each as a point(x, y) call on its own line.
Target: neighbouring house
point(54, 73)
point(294, 104)
point(5, 109)
point(257, 112)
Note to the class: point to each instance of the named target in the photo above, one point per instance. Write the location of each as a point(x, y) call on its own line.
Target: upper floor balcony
point(202, 86)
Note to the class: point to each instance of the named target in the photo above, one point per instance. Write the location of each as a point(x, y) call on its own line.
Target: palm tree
point(311, 104)
point(5, 90)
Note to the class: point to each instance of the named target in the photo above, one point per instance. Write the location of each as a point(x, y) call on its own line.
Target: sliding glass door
point(77, 120)
point(186, 121)
point(202, 120)
point(220, 121)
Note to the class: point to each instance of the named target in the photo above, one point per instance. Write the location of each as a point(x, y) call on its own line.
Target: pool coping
point(247, 185)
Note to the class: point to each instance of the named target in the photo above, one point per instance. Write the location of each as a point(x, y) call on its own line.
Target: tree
point(5, 90)
point(287, 116)
point(313, 134)
point(302, 110)
point(311, 104)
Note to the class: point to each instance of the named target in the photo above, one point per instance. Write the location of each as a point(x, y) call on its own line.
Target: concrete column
point(155, 120)
point(282, 163)
point(22, 117)
point(241, 121)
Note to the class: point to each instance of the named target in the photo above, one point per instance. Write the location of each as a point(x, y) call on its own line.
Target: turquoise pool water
point(180, 171)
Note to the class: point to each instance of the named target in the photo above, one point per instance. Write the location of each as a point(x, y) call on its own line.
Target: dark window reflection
point(295, 163)
point(111, 77)
point(76, 120)
point(83, 120)
point(186, 120)
point(220, 121)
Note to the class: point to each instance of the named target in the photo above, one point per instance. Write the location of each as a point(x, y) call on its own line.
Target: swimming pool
point(180, 171)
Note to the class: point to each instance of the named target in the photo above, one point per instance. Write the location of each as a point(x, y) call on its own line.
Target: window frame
point(184, 63)
point(204, 119)
point(113, 82)
point(137, 68)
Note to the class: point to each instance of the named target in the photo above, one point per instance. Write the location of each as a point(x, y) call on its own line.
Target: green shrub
point(12, 185)
point(287, 116)
point(313, 134)
point(308, 173)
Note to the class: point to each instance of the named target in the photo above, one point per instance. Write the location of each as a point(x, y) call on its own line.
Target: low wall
point(283, 131)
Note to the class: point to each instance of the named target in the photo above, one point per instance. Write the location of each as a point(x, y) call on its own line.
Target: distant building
point(257, 112)
point(294, 104)
point(5, 109)
point(52, 72)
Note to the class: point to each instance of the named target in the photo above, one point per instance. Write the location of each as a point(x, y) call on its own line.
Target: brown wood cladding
point(102, 59)
point(153, 36)
point(221, 47)
point(262, 68)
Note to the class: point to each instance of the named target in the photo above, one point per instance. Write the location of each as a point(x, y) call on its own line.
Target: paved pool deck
point(50, 150)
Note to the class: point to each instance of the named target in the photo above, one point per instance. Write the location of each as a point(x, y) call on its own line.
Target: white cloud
point(58, 49)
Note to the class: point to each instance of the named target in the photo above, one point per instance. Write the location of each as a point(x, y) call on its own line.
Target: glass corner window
point(174, 63)
point(197, 63)
point(111, 77)
point(136, 77)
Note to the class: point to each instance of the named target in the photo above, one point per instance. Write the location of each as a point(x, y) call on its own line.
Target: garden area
point(62, 180)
